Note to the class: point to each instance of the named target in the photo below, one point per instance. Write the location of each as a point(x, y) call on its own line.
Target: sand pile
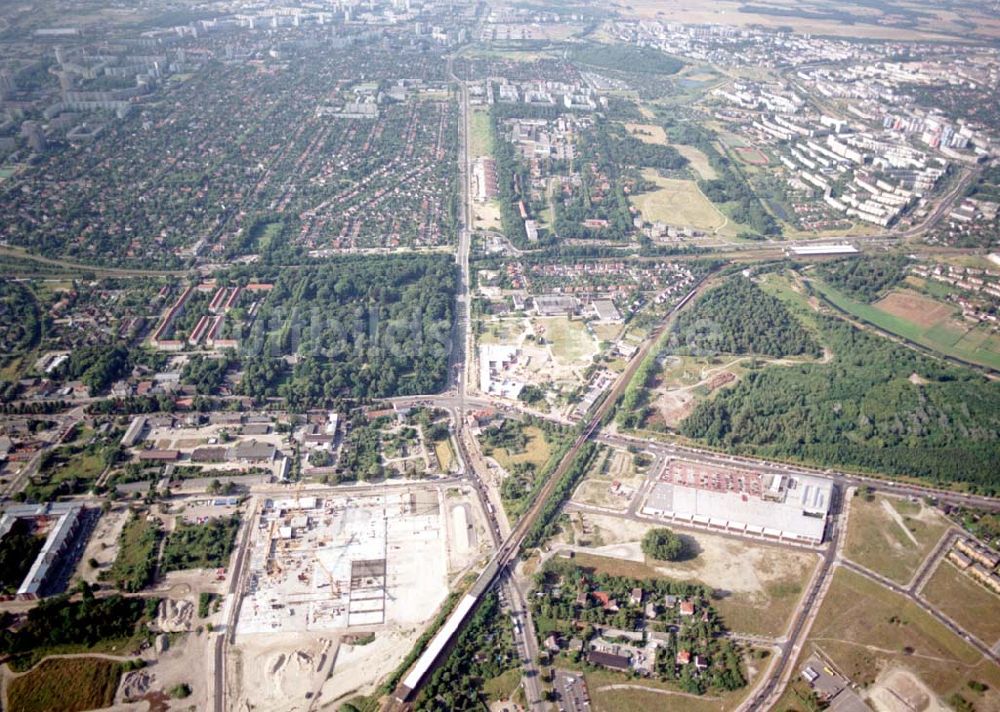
point(174, 616)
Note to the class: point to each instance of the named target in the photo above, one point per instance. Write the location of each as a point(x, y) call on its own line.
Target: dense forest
point(737, 317)
point(877, 406)
point(864, 278)
point(356, 327)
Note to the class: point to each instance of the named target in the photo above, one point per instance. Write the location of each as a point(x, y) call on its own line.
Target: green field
point(967, 602)
point(570, 340)
point(876, 540)
point(503, 686)
point(943, 337)
point(65, 685)
point(136, 560)
point(678, 202)
point(480, 134)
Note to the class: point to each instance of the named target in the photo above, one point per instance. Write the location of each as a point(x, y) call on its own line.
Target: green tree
point(663, 544)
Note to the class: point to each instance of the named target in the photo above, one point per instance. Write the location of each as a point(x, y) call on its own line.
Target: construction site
point(372, 566)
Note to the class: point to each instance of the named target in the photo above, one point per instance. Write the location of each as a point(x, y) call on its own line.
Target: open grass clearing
point(965, 601)
point(501, 688)
point(487, 215)
point(536, 451)
point(137, 551)
point(445, 456)
point(751, 156)
point(480, 133)
point(653, 133)
point(569, 339)
point(865, 629)
point(648, 133)
point(614, 692)
point(678, 202)
point(891, 536)
point(503, 331)
point(757, 585)
point(65, 685)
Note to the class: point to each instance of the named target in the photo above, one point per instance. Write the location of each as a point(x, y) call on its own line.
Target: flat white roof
point(801, 515)
point(825, 250)
point(439, 641)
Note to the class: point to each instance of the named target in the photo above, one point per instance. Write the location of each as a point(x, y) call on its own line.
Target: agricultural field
point(857, 20)
point(65, 685)
point(924, 321)
point(889, 632)
point(757, 585)
point(892, 536)
point(680, 203)
point(966, 601)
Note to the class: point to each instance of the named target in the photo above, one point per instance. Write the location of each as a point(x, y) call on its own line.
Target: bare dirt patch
point(648, 133)
point(898, 690)
point(915, 308)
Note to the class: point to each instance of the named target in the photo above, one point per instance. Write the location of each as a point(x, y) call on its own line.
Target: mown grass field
point(503, 686)
point(947, 335)
point(877, 541)
point(678, 202)
point(480, 134)
point(570, 340)
point(65, 685)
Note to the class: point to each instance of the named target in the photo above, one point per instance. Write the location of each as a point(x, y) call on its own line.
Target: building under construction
point(328, 563)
